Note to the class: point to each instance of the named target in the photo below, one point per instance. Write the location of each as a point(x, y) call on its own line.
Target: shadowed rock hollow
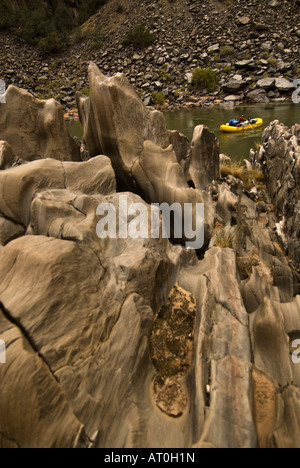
point(140, 342)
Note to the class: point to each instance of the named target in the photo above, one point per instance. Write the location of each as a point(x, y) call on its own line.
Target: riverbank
point(237, 147)
point(194, 102)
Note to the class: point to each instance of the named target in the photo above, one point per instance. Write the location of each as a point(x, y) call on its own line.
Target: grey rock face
point(19, 185)
point(117, 123)
point(203, 166)
point(279, 157)
point(223, 359)
point(69, 265)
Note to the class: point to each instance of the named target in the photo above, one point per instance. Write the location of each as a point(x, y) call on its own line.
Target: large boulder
point(116, 123)
point(266, 83)
point(19, 185)
point(84, 308)
point(234, 86)
point(135, 138)
point(258, 95)
point(35, 129)
point(283, 85)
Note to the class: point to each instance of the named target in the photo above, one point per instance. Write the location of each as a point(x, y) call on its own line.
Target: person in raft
point(241, 122)
point(237, 123)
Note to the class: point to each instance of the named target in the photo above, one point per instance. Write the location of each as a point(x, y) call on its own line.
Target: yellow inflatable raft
point(247, 126)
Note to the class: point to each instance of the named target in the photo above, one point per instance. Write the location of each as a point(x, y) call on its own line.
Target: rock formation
point(118, 124)
point(279, 156)
point(35, 129)
point(98, 352)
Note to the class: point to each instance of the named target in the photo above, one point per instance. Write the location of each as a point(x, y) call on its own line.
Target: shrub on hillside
point(205, 78)
point(159, 98)
point(7, 15)
point(139, 37)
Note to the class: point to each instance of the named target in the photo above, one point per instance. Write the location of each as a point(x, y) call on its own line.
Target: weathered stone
point(203, 166)
point(234, 86)
point(266, 83)
point(181, 146)
point(78, 335)
point(7, 156)
point(19, 185)
point(147, 172)
point(243, 20)
point(247, 63)
point(223, 359)
point(267, 46)
point(116, 123)
point(271, 344)
point(213, 48)
point(35, 129)
point(226, 205)
point(280, 160)
point(257, 95)
point(283, 84)
point(233, 98)
point(27, 421)
point(9, 230)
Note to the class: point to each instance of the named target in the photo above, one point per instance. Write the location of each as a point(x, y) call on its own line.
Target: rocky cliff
point(138, 341)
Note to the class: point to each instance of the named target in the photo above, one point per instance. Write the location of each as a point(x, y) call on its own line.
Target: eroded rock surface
point(102, 349)
point(117, 123)
point(35, 129)
point(279, 156)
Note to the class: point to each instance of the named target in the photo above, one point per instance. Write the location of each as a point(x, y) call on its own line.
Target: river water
point(238, 145)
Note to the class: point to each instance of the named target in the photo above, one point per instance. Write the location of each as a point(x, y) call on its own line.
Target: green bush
point(96, 41)
point(139, 37)
point(205, 78)
point(7, 15)
point(159, 98)
point(226, 50)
